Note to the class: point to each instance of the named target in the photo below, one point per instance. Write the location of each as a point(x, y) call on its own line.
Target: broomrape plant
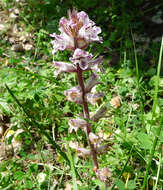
point(76, 33)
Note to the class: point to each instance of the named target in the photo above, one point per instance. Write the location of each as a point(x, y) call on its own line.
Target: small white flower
point(41, 177)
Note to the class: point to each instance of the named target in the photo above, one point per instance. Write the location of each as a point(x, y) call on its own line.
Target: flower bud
point(93, 98)
point(92, 81)
point(99, 114)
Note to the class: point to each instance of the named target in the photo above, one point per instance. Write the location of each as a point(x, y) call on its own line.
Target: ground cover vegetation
point(40, 147)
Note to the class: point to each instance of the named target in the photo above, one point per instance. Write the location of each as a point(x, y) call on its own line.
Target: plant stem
point(86, 115)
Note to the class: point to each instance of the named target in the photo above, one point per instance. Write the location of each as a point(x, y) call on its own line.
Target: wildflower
point(74, 95)
point(77, 123)
point(83, 152)
point(94, 65)
point(63, 67)
point(82, 58)
point(78, 31)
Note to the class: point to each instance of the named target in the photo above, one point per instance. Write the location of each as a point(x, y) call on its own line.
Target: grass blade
point(138, 85)
point(152, 154)
point(157, 80)
point(72, 169)
point(123, 168)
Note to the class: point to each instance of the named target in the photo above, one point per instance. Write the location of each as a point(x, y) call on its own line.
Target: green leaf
point(131, 184)
point(4, 106)
point(144, 140)
point(119, 183)
point(19, 175)
point(100, 184)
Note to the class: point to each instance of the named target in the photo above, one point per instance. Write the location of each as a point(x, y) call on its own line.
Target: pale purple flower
point(82, 58)
point(74, 95)
point(93, 138)
point(93, 98)
point(89, 31)
point(63, 67)
point(77, 123)
point(62, 42)
point(78, 31)
point(83, 152)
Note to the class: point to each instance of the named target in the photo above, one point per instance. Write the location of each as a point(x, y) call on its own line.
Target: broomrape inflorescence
point(76, 33)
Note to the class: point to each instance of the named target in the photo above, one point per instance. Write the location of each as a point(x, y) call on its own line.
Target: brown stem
point(86, 115)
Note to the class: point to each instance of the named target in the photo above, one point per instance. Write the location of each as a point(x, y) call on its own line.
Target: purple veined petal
point(62, 42)
point(82, 58)
point(77, 123)
point(82, 15)
point(92, 81)
point(85, 19)
point(81, 55)
point(74, 95)
point(93, 98)
point(63, 67)
point(90, 33)
point(83, 65)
